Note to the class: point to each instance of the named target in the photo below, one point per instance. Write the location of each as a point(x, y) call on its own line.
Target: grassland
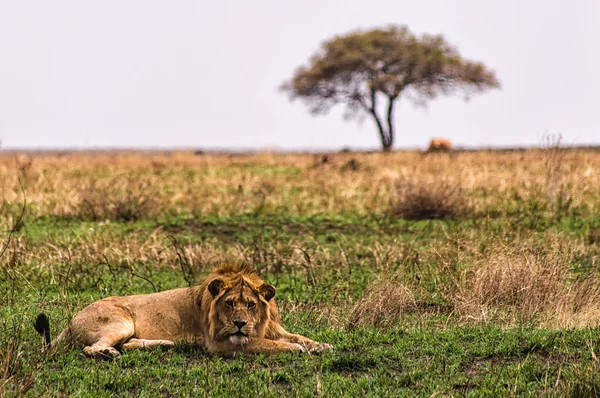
point(473, 274)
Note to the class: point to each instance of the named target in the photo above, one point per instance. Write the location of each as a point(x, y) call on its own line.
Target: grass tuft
point(430, 200)
point(506, 282)
point(382, 304)
point(513, 287)
point(122, 199)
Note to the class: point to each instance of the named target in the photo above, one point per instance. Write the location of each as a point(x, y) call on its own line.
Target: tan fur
point(439, 145)
point(203, 314)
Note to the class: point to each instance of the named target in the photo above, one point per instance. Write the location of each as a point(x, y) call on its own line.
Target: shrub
point(382, 304)
point(520, 283)
point(430, 200)
point(524, 286)
point(122, 199)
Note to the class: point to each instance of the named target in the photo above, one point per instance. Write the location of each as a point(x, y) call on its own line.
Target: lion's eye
point(229, 303)
point(251, 304)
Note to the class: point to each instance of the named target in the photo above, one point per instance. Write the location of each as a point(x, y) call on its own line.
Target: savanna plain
point(475, 273)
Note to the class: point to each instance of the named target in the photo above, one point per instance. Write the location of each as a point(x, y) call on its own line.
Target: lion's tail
point(42, 326)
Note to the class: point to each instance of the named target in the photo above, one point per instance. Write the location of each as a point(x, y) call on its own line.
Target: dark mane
point(224, 269)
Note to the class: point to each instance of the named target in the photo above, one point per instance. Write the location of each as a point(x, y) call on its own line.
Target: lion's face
point(239, 310)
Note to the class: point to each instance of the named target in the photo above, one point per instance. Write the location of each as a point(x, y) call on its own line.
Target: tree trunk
point(386, 143)
point(386, 136)
point(387, 146)
point(390, 124)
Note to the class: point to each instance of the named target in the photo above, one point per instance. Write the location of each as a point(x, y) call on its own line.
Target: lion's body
point(233, 310)
point(439, 145)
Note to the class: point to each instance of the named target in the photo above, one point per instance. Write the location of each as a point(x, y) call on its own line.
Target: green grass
point(270, 213)
point(417, 356)
point(417, 360)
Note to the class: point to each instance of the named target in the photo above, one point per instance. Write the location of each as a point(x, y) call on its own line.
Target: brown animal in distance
point(232, 311)
point(439, 145)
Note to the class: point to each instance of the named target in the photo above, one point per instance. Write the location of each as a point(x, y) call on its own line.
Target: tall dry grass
point(528, 279)
point(521, 283)
point(384, 302)
point(71, 185)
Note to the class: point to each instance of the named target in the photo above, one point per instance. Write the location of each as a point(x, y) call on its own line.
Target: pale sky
point(205, 74)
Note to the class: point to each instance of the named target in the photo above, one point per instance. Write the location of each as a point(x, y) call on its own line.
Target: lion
point(439, 145)
point(232, 311)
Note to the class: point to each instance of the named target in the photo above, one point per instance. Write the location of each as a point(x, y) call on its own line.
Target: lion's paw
point(103, 352)
point(318, 347)
point(300, 347)
point(325, 347)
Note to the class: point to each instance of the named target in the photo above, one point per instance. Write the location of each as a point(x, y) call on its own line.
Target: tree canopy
point(361, 68)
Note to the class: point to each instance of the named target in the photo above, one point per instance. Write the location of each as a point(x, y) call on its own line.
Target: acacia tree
point(361, 68)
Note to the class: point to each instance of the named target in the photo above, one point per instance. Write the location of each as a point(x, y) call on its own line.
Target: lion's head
point(238, 303)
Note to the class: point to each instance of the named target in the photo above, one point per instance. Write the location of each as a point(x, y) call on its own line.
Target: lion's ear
point(267, 291)
point(214, 287)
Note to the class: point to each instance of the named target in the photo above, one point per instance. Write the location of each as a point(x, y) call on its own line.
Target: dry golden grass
point(529, 281)
point(383, 304)
point(182, 182)
point(517, 283)
point(124, 198)
point(532, 285)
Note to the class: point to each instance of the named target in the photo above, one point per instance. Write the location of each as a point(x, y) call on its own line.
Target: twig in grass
point(17, 224)
point(135, 275)
point(186, 267)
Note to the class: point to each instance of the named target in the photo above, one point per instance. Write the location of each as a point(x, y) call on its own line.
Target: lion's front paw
point(318, 347)
point(101, 352)
point(300, 347)
point(326, 347)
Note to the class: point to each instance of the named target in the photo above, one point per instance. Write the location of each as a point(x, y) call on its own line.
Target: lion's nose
point(240, 324)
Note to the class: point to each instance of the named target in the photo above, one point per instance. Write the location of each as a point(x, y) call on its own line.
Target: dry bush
point(121, 199)
point(16, 378)
point(351, 165)
point(556, 195)
point(428, 200)
point(510, 287)
point(521, 284)
point(559, 194)
point(579, 306)
point(382, 304)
